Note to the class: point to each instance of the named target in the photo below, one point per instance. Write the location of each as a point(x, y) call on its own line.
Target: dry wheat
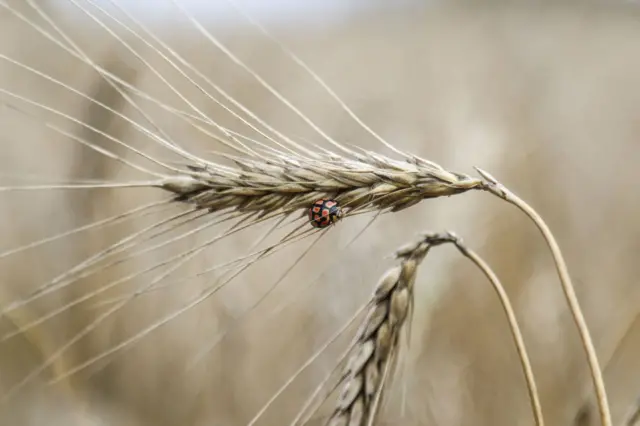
point(284, 184)
point(376, 345)
point(280, 185)
point(375, 348)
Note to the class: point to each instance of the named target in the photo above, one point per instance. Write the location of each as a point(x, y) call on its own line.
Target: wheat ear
point(277, 185)
point(376, 345)
point(493, 186)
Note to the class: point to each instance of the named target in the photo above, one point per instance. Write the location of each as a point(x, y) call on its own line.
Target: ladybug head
point(339, 213)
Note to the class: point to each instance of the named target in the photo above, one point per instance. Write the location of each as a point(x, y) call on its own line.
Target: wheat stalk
point(494, 187)
point(523, 355)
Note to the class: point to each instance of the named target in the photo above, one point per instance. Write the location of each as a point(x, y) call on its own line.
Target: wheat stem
point(493, 186)
point(532, 388)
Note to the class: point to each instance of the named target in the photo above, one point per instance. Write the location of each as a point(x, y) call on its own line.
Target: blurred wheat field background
point(545, 97)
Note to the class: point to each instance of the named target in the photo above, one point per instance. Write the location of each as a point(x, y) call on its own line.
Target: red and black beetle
point(324, 213)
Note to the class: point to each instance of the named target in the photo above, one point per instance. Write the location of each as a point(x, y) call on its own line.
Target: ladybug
point(324, 213)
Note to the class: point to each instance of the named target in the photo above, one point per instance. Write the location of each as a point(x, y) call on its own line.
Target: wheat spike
point(377, 343)
point(283, 184)
point(375, 348)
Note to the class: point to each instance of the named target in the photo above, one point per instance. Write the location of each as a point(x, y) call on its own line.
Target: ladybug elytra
point(324, 213)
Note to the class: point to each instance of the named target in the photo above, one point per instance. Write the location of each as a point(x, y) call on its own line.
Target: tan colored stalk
point(532, 388)
point(493, 186)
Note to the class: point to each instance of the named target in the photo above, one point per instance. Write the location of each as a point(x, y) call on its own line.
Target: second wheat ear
point(374, 351)
point(376, 344)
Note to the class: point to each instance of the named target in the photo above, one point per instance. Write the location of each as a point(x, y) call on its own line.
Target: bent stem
point(496, 188)
point(534, 397)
